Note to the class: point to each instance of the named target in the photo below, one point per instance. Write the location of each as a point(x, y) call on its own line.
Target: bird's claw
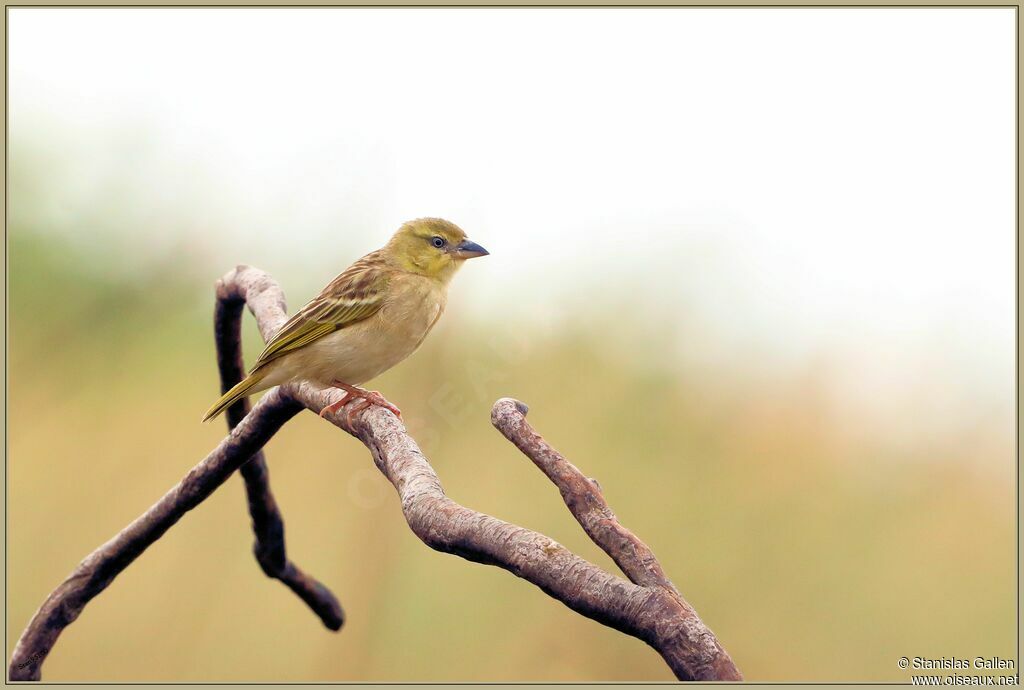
point(369, 398)
point(366, 399)
point(335, 406)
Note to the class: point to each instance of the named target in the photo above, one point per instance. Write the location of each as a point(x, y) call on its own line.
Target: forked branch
point(647, 606)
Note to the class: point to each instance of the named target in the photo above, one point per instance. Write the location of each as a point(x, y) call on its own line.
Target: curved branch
point(687, 644)
point(647, 607)
point(267, 523)
point(582, 497)
point(654, 613)
point(100, 567)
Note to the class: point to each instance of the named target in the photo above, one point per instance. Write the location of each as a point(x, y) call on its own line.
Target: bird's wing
point(353, 296)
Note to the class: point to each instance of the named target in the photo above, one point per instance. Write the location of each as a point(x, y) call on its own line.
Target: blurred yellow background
point(811, 424)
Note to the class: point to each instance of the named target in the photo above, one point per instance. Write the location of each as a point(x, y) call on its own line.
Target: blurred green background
point(824, 468)
point(813, 551)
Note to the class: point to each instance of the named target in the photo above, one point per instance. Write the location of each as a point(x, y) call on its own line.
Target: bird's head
point(432, 247)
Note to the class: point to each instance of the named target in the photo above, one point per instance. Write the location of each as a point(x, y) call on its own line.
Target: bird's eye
point(437, 242)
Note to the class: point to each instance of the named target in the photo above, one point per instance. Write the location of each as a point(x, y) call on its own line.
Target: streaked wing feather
point(307, 334)
point(353, 296)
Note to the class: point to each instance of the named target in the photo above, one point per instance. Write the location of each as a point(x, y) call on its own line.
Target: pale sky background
point(810, 183)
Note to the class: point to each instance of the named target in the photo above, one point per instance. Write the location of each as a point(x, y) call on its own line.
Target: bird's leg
point(365, 397)
point(335, 406)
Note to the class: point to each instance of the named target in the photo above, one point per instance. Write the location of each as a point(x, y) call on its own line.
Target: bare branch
point(582, 496)
point(655, 614)
point(647, 607)
point(686, 643)
point(267, 523)
point(100, 567)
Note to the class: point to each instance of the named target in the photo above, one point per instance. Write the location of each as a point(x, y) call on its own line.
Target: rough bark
point(647, 606)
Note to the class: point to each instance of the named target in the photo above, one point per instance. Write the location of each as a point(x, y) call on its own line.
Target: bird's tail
point(237, 392)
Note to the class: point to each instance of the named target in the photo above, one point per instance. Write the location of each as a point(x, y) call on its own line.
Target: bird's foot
point(335, 406)
point(366, 399)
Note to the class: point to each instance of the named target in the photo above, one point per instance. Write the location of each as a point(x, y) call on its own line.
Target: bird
point(368, 319)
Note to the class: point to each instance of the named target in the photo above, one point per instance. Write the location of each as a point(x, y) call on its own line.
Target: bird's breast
point(409, 313)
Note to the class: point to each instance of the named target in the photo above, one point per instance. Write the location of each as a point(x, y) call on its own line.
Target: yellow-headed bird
point(366, 320)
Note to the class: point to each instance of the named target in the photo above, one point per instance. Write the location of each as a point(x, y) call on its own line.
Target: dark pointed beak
point(468, 250)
